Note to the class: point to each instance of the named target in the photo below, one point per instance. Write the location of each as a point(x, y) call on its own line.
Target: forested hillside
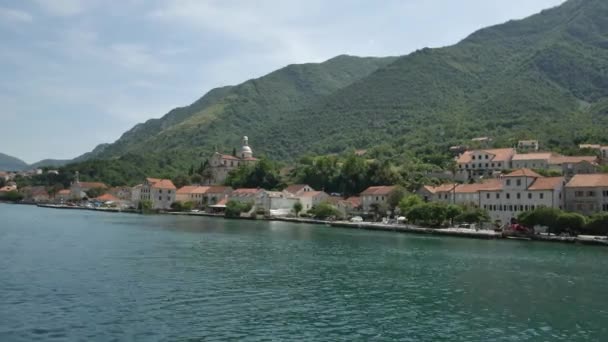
point(543, 77)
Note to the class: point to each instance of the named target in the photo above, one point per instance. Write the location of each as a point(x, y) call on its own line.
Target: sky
point(77, 73)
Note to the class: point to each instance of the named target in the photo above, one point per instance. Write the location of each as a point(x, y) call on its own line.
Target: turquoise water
point(81, 275)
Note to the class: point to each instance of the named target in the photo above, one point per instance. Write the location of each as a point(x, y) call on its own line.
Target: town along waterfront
point(80, 275)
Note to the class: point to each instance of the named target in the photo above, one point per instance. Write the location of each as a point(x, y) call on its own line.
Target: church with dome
point(221, 164)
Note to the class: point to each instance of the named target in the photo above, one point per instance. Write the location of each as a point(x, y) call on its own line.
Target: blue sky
point(76, 73)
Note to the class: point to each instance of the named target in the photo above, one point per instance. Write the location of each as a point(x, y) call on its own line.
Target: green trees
point(11, 196)
point(324, 211)
point(540, 217)
point(473, 215)
point(452, 212)
point(264, 174)
point(395, 197)
point(235, 208)
point(569, 222)
point(182, 206)
point(428, 214)
point(181, 180)
point(409, 202)
point(297, 208)
point(95, 192)
point(597, 225)
point(144, 206)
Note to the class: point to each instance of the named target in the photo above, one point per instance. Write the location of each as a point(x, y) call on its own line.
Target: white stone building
point(519, 191)
point(587, 194)
point(160, 192)
point(483, 163)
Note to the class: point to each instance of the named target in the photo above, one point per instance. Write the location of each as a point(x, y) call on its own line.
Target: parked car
point(356, 219)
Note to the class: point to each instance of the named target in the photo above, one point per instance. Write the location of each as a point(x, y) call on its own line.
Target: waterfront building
point(298, 189)
point(220, 164)
point(123, 193)
point(202, 196)
point(63, 195)
point(160, 192)
point(78, 189)
point(37, 194)
point(136, 194)
point(587, 194)
point(310, 199)
point(277, 203)
point(537, 160)
point(519, 191)
point(375, 197)
point(570, 166)
point(483, 163)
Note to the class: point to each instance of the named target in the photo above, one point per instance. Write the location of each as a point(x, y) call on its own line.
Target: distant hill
point(543, 77)
point(9, 163)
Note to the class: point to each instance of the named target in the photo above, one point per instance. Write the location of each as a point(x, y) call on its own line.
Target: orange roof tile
point(488, 185)
point(355, 201)
point(572, 159)
point(546, 183)
point(64, 192)
point(533, 156)
point(294, 188)
point(523, 173)
point(378, 190)
point(500, 155)
point(245, 191)
point(312, 193)
point(92, 185)
point(107, 198)
point(218, 189)
point(441, 188)
point(188, 189)
point(163, 184)
point(588, 181)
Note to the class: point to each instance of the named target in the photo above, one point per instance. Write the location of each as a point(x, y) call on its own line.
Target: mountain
point(221, 117)
point(543, 77)
point(9, 163)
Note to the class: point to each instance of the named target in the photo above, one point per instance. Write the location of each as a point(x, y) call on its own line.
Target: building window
point(518, 195)
point(486, 156)
point(473, 157)
point(497, 196)
point(168, 198)
point(591, 193)
point(508, 195)
point(518, 182)
point(160, 198)
point(529, 196)
point(508, 184)
point(579, 194)
point(488, 196)
point(542, 196)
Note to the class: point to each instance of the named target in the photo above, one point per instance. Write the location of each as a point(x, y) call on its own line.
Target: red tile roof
point(378, 190)
point(312, 193)
point(245, 192)
point(534, 156)
point(229, 157)
point(64, 192)
point(107, 198)
point(500, 155)
point(295, 188)
point(546, 183)
point(92, 185)
point(188, 189)
point(162, 184)
point(440, 188)
point(523, 173)
point(488, 185)
point(572, 160)
point(588, 181)
point(354, 201)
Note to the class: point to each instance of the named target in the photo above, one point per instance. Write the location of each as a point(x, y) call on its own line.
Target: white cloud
point(13, 15)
